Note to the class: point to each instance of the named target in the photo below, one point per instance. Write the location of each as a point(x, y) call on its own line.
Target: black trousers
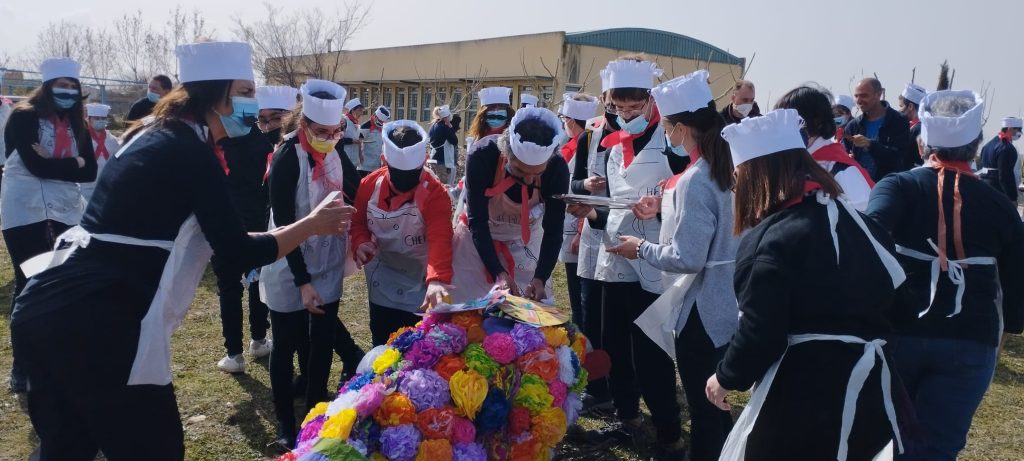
point(385, 320)
point(637, 362)
point(291, 338)
point(572, 282)
point(592, 302)
point(78, 362)
point(328, 334)
point(230, 290)
point(698, 359)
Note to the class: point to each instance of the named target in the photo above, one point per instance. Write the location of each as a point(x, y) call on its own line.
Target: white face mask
point(744, 109)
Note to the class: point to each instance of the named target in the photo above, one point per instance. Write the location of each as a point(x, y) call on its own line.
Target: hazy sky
point(826, 41)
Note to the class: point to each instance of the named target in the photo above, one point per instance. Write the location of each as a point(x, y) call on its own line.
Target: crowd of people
point(854, 271)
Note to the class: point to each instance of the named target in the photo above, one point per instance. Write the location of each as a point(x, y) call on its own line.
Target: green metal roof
point(654, 42)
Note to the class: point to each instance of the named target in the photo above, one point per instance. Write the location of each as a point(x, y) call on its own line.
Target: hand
point(436, 292)
point(365, 253)
point(574, 246)
point(579, 211)
point(311, 299)
point(595, 184)
point(627, 249)
point(716, 394)
point(40, 150)
point(332, 218)
point(859, 140)
point(535, 290)
point(505, 282)
point(648, 207)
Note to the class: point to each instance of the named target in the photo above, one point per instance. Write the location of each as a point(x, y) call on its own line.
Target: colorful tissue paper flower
point(450, 337)
point(533, 394)
point(527, 338)
point(290, 456)
point(449, 364)
point(386, 360)
point(501, 347)
point(357, 382)
point(469, 389)
point(317, 410)
point(463, 431)
point(494, 412)
point(339, 425)
point(580, 346)
point(436, 423)
point(469, 452)
point(370, 398)
point(404, 338)
point(311, 429)
point(435, 450)
point(572, 406)
point(425, 388)
point(479, 361)
point(558, 391)
point(555, 336)
point(423, 354)
point(566, 370)
point(343, 401)
point(395, 410)
point(518, 420)
point(527, 449)
point(542, 362)
point(581, 381)
point(471, 321)
point(494, 325)
point(549, 426)
point(359, 445)
point(400, 443)
point(333, 450)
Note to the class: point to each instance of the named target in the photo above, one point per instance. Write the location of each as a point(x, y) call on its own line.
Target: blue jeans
point(946, 380)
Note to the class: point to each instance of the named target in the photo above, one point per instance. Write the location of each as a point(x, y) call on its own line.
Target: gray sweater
point(702, 233)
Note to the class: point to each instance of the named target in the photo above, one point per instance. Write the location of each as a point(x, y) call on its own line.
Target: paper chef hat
point(528, 99)
point(845, 101)
point(914, 93)
point(405, 158)
point(353, 103)
point(444, 111)
point(97, 110)
point(323, 111)
point(938, 131)
point(626, 73)
point(495, 95)
point(578, 110)
point(528, 152)
point(59, 67)
point(383, 113)
point(683, 94)
point(276, 97)
point(604, 82)
point(1013, 122)
point(755, 137)
point(214, 61)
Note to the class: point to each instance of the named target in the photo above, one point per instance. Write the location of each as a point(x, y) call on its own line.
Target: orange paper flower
point(395, 410)
point(471, 322)
point(555, 336)
point(448, 365)
point(435, 450)
point(541, 362)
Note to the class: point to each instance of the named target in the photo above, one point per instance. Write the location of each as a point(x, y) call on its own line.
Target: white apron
point(735, 445)
point(955, 273)
point(112, 147)
point(447, 157)
point(570, 226)
point(643, 177)
point(351, 150)
point(27, 199)
point(372, 148)
point(590, 238)
point(324, 255)
point(395, 277)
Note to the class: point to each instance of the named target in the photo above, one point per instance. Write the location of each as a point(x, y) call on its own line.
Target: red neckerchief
point(352, 118)
point(219, 152)
point(319, 171)
point(809, 186)
point(373, 123)
point(394, 199)
point(502, 185)
point(840, 134)
point(626, 139)
point(835, 152)
point(569, 149)
point(61, 139)
point(958, 205)
point(1005, 137)
point(100, 138)
point(266, 174)
point(914, 121)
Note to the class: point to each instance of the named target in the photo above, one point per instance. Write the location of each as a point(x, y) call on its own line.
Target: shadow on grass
point(249, 413)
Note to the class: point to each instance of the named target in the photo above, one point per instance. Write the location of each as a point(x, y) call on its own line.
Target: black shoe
point(283, 443)
point(598, 407)
point(629, 433)
point(673, 452)
point(19, 382)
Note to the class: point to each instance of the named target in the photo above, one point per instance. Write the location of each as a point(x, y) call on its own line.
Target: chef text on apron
point(27, 199)
point(395, 277)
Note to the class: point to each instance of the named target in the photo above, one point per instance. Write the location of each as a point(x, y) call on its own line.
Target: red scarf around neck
point(569, 149)
point(353, 119)
point(626, 139)
point(961, 168)
point(835, 152)
point(319, 159)
point(809, 186)
point(61, 138)
point(100, 138)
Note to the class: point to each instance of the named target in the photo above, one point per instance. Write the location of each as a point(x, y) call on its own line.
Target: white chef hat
point(323, 111)
point(627, 73)
point(914, 93)
point(528, 99)
point(495, 95)
point(405, 158)
point(276, 97)
point(755, 137)
point(59, 67)
point(683, 94)
point(383, 113)
point(214, 61)
point(845, 101)
point(526, 151)
point(604, 81)
point(578, 110)
point(1013, 122)
point(353, 103)
point(444, 111)
point(939, 131)
point(97, 110)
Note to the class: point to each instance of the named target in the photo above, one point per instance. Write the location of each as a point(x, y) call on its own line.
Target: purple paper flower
point(400, 443)
point(423, 354)
point(425, 388)
point(406, 339)
point(450, 337)
point(469, 452)
point(312, 429)
point(527, 338)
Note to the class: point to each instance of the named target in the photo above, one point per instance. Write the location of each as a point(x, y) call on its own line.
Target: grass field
point(230, 417)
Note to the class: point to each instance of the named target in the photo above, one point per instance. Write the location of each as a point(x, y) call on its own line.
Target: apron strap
point(954, 270)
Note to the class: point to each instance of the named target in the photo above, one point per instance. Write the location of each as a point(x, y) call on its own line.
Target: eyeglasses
point(269, 120)
point(631, 110)
point(321, 134)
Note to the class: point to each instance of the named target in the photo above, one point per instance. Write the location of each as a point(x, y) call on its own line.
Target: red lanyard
point(61, 139)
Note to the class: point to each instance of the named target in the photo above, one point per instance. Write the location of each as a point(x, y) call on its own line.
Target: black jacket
point(140, 109)
point(892, 152)
point(730, 119)
point(246, 158)
point(1001, 155)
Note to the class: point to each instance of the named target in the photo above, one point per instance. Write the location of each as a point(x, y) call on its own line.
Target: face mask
point(496, 118)
point(677, 150)
point(152, 97)
point(635, 126)
point(319, 145)
point(840, 120)
point(744, 109)
point(240, 122)
point(99, 124)
point(404, 180)
point(65, 97)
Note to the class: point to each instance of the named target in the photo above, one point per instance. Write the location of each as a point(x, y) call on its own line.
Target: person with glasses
point(104, 144)
point(276, 102)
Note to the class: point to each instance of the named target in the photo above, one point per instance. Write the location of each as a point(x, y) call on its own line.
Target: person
point(133, 268)
point(879, 138)
point(946, 355)
point(158, 87)
point(910, 102)
point(48, 152)
point(842, 111)
point(494, 114)
point(373, 144)
point(306, 169)
point(1000, 155)
point(6, 106)
point(444, 144)
point(511, 230)
point(696, 316)
point(276, 102)
point(104, 144)
point(574, 112)
point(813, 103)
point(815, 282)
point(352, 142)
point(402, 233)
point(741, 103)
point(528, 100)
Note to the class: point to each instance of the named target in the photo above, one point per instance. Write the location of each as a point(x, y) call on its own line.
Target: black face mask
point(273, 136)
point(404, 180)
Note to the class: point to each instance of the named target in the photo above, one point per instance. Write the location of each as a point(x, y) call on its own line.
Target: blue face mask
point(65, 97)
point(496, 118)
point(840, 120)
point(635, 126)
point(677, 150)
point(152, 97)
point(241, 120)
point(99, 124)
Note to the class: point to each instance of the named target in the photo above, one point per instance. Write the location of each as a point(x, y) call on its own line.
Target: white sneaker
point(232, 364)
point(260, 348)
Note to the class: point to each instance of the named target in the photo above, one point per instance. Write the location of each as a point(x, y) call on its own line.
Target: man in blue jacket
point(879, 137)
point(1000, 155)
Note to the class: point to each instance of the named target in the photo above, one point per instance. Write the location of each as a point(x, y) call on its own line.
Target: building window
point(400, 105)
point(387, 97)
point(569, 88)
point(547, 94)
point(427, 104)
point(367, 100)
point(456, 98)
point(414, 103)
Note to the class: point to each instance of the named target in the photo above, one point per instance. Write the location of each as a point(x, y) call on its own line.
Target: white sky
point(827, 41)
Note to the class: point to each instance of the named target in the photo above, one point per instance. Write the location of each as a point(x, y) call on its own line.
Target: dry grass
point(231, 417)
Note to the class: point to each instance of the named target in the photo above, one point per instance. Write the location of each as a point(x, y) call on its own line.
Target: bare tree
point(131, 32)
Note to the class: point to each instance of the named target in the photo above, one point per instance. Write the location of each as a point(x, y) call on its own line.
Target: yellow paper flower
point(386, 360)
point(468, 390)
point(318, 410)
point(339, 425)
point(549, 426)
point(555, 336)
point(579, 346)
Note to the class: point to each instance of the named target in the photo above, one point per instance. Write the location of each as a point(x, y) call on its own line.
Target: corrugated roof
point(655, 42)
